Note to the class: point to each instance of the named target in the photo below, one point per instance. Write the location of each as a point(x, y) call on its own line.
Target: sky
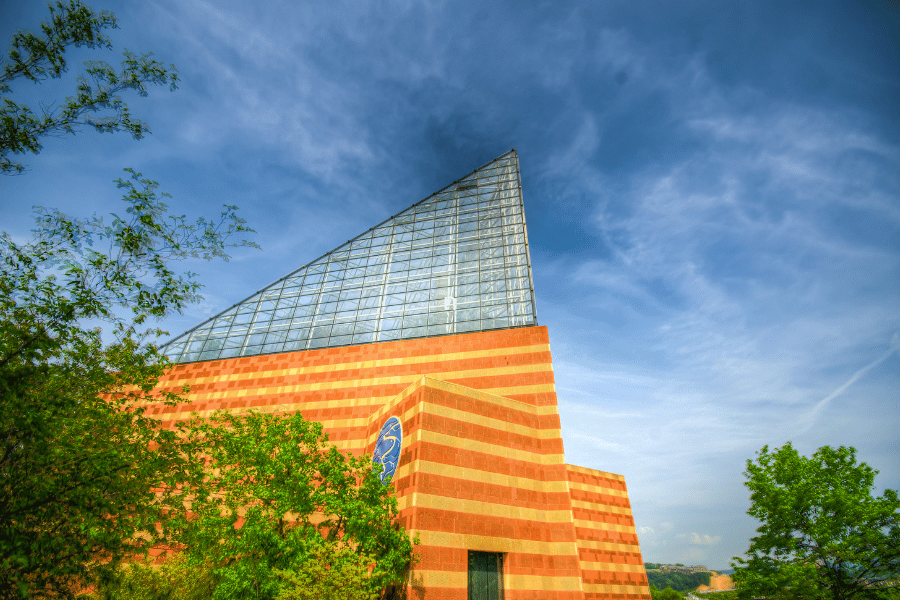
point(712, 195)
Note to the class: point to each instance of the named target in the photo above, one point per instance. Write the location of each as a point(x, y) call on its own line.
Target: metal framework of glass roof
point(455, 262)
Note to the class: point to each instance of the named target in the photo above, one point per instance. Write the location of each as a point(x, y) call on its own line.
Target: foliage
point(175, 579)
point(823, 533)
point(88, 478)
point(332, 571)
point(277, 494)
point(717, 595)
point(666, 594)
point(96, 103)
point(678, 580)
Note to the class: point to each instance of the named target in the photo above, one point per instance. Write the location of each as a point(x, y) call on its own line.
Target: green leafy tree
point(679, 581)
point(823, 534)
point(278, 495)
point(97, 102)
point(333, 571)
point(87, 478)
point(175, 579)
point(665, 594)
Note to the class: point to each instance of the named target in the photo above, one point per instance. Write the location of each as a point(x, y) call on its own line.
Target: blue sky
point(712, 192)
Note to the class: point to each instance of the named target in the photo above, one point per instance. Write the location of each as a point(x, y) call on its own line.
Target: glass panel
point(341, 340)
point(322, 331)
point(455, 262)
point(363, 338)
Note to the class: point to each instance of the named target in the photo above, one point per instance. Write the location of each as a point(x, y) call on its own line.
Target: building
point(429, 319)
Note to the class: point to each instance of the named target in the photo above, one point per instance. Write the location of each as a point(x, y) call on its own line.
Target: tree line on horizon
point(678, 580)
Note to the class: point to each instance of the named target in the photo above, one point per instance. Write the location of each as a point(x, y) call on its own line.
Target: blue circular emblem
point(387, 448)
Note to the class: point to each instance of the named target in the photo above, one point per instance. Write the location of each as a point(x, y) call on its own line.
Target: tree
point(277, 496)
point(175, 579)
point(87, 479)
point(96, 102)
point(823, 534)
point(665, 594)
point(333, 571)
point(678, 580)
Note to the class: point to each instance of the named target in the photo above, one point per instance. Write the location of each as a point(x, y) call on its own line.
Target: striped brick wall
point(482, 472)
point(608, 552)
point(342, 387)
point(482, 465)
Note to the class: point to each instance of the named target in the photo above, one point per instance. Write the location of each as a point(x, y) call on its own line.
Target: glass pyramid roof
point(455, 262)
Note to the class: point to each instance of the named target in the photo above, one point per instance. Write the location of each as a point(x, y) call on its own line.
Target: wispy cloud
point(704, 539)
point(715, 231)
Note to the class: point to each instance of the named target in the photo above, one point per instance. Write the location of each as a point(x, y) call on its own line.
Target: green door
point(485, 576)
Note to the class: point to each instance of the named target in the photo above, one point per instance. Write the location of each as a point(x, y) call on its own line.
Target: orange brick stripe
point(512, 376)
point(530, 372)
point(439, 558)
point(305, 368)
point(501, 494)
point(499, 472)
point(448, 557)
point(352, 402)
point(501, 348)
point(461, 522)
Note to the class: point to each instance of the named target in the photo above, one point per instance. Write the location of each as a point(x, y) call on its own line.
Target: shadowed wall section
point(481, 467)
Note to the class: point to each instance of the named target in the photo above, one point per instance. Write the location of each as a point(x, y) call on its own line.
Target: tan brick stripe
point(386, 380)
point(608, 546)
point(605, 596)
point(594, 473)
point(462, 489)
point(480, 476)
point(551, 430)
point(601, 588)
point(609, 538)
point(595, 507)
point(453, 441)
point(598, 517)
point(611, 567)
point(476, 432)
point(487, 509)
point(545, 583)
point(436, 558)
point(469, 393)
point(523, 411)
point(452, 521)
point(302, 405)
point(542, 350)
point(601, 526)
point(485, 461)
point(597, 490)
point(498, 454)
point(492, 543)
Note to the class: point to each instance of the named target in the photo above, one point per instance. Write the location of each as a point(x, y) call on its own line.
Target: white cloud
point(704, 539)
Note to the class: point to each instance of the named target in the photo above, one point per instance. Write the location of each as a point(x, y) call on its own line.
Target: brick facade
point(481, 467)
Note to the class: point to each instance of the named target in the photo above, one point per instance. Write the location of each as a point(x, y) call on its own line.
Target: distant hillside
point(678, 577)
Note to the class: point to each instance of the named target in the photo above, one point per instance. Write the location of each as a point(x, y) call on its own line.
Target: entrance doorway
point(485, 575)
